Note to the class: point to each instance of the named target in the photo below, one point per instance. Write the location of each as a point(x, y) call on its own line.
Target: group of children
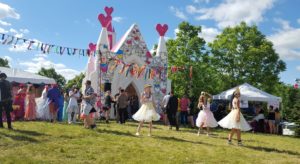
point(234, 120)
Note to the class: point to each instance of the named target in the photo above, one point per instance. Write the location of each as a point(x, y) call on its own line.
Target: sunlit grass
point(42, 142)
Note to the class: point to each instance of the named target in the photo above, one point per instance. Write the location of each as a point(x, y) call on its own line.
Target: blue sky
point(74, 24)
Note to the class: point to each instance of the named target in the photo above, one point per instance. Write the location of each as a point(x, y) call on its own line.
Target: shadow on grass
point(267, 149)
point(31, 133)
point(181, 140)
point(115, 132)
point(19, 137)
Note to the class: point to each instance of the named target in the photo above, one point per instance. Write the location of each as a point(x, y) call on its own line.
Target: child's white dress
point(230, 122)
point(147, 112)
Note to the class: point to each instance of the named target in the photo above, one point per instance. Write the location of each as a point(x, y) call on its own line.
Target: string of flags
point(44, 48)
point(146, 71)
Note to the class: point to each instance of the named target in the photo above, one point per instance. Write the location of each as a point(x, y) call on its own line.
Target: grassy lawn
point(42, 142)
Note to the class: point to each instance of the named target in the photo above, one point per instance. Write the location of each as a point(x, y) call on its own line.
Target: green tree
point(187, 50)
point(243, 54)
point(51, 73)
point(4, 63)
point(76, 81)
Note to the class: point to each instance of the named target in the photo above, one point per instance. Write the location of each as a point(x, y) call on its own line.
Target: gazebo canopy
point(19, 76)
point(248, 93)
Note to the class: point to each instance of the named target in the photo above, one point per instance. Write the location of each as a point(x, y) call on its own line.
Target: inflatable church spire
point(160, 64)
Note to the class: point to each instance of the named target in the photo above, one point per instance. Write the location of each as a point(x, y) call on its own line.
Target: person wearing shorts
point(88, 102)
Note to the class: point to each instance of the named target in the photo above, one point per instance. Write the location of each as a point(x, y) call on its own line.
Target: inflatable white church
point(128, 63)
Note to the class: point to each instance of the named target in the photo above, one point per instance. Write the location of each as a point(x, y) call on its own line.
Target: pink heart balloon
point(161, 29)
point(108, 10)
point(92, 47)
point(104, 20)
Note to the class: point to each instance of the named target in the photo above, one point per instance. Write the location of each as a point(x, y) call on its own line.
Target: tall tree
point(4, 63)
point(51, 73)
point(188, 50)
point(76, 81)
point(243, 54)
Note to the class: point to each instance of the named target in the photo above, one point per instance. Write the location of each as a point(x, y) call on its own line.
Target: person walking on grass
point(147, 112)
point(235, 119)
point(107, 105)
point(88, 102)
point(171, 110)
point(5, 100)
point(206, 118)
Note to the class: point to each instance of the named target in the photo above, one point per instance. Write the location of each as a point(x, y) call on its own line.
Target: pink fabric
point(184, 103)
point(30, 111)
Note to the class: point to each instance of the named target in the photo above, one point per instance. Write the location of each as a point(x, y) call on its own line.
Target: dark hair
point(277, 110)
point(88, 82)
point(271, 107)
point(122, 90)
point(261, 111)
point(3, 75)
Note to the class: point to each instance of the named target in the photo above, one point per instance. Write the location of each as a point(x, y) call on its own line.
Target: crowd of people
point(55, 105)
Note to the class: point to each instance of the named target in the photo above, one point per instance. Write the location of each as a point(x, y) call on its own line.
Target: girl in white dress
point(73, 108)
point(235, 119)
point(206, 118)
point(147, 112)
point(42, 112)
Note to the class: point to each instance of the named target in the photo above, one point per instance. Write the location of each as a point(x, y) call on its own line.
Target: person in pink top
point(30, 109)
point(184, 104)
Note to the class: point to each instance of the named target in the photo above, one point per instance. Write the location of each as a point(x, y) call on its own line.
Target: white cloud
point(232, 12)
point(22, 46)
point(298, 68)
point(7, 11)
point(3, 23)
point(19, 33)
point(2, 30)
point(286, 40)
point(298, 20)
point(117, 19)
point(41, 61)
point(209, 34)
point(178, 13)
point(192, 9)
point(201, 1)
point(9, 59)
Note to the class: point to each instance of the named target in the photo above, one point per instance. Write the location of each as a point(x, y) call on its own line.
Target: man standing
point(88, 103)
point(164, 107)
point(5, 100)
point(171, 109)
point(122, 106)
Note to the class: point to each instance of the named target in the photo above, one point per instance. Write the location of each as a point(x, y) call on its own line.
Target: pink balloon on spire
point(108, 10)
point(104, 20)
point(161, 29)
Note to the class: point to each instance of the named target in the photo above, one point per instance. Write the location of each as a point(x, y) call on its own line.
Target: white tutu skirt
point(146, 113)
point(206, 117)
point(42, 111)
point(229, 122)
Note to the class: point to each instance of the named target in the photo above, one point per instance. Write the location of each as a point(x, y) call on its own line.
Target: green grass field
point(42, 142)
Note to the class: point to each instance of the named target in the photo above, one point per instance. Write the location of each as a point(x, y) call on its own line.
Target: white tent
point(248, 93)
point(19, 76)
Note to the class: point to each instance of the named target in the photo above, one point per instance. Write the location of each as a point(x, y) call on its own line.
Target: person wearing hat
point(147, 112)
point(235, 119)
point(5, 100)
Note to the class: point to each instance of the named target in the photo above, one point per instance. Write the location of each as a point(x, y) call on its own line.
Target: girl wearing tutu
point(235, 119)
point(147, 111)
point(205, 117)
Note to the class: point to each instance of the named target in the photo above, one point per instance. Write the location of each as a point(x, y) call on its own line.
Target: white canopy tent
point(19, 76)
point(249, 93)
